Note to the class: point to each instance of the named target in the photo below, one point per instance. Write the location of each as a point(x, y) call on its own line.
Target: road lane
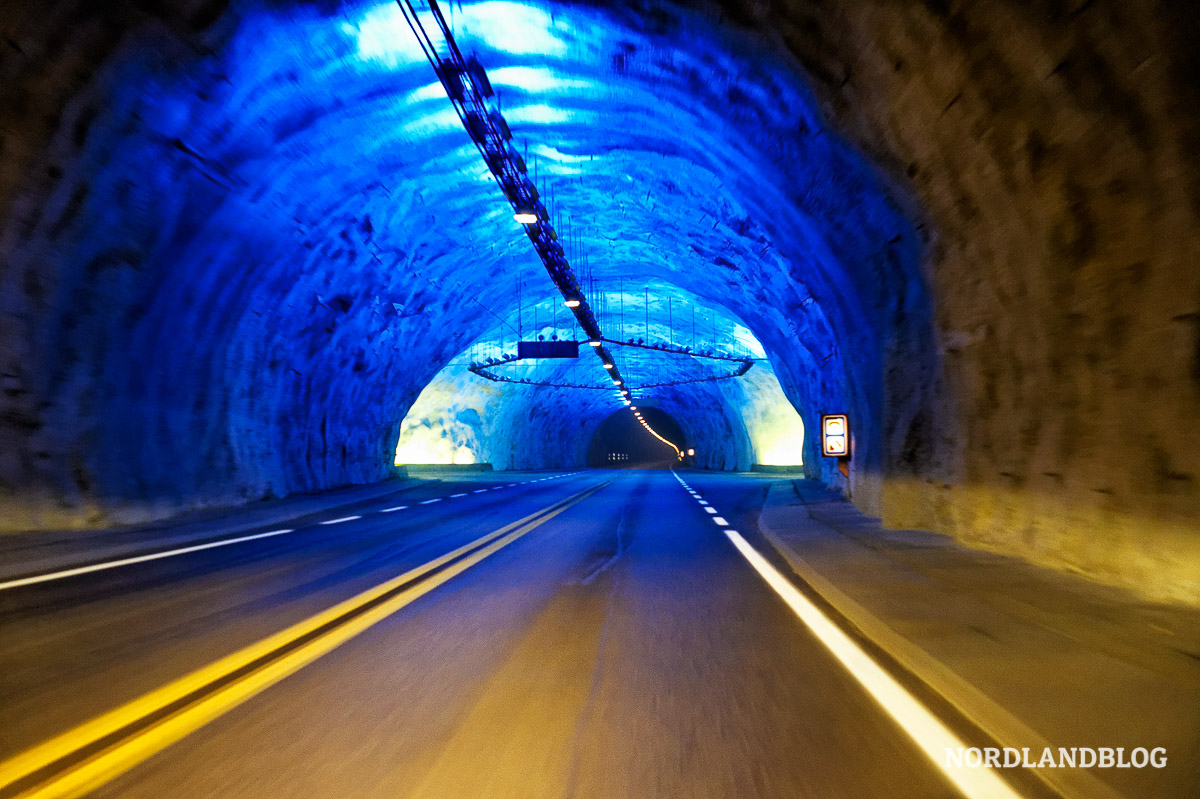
point(180, 542)
point(623, 649)
point(72, 649)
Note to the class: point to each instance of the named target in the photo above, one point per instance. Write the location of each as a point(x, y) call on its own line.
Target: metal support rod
point(467, 88)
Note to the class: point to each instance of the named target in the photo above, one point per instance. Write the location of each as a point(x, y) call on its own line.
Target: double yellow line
point(84, 758)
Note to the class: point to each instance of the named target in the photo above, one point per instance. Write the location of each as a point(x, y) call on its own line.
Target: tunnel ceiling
point(240, 239)
point(263, 254)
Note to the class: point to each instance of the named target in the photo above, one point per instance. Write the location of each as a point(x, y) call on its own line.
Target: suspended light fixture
point(526, 216)
point(573, 302)
point(608, 366)
point(594, 343)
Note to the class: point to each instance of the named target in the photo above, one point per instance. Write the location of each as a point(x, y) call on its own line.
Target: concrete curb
point(980, 708)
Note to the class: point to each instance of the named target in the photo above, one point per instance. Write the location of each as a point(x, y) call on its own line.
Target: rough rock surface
point(731, 423)
point(1054, 147)
point(239, 240)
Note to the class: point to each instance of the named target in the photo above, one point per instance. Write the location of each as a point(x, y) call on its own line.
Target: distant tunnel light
point(691, 452)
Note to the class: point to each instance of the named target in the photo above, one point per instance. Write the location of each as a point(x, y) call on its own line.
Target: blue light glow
point(545, 115)
point(382, 35)
point(540, 79)
point(306, 204)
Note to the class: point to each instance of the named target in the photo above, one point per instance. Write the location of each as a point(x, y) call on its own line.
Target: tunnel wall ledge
point(1156, 558)
point(448, 467)
point(40, 513)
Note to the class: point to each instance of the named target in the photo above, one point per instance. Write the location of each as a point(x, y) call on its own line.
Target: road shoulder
point(1033, 657)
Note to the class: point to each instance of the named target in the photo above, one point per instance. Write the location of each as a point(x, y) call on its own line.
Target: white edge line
point(930, 735)
point(112, 564)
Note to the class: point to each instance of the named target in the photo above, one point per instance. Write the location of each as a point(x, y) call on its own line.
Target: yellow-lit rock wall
point(1053, 147)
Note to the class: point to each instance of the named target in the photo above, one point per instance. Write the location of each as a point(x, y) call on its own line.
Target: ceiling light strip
point(468, 88)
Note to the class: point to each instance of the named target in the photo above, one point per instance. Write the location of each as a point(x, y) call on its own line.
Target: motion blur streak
point(151, 734)
point(930, 734)
point(112, 564)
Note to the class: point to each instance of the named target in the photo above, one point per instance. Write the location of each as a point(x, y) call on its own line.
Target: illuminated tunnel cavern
point(241, 239)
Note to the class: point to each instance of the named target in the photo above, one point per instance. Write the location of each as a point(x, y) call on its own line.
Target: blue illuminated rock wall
point(731, 422)
point(239, 240)
point(251, 256)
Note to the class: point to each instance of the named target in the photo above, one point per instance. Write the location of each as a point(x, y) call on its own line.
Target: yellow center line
point(88, 774)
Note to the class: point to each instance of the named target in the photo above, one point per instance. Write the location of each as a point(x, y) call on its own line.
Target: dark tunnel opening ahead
point(621, 441)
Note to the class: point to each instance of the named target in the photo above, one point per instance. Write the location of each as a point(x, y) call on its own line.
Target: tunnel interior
point(302, 237)
point(460, 417)
point(620, 441)
point(250, 252)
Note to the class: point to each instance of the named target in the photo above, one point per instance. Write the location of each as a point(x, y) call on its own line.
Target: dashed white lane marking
point(456, 496)
point(925, 729)
point(711, 511)
point(343, 519)
point(702, 502)
point(721, 521)
point(112, 564)
point(479, 491)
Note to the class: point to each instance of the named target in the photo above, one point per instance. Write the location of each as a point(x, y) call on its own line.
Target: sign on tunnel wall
point(835, 435)
point(547, 349)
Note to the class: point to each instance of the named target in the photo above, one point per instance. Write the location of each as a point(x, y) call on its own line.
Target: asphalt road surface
point(606, 640)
